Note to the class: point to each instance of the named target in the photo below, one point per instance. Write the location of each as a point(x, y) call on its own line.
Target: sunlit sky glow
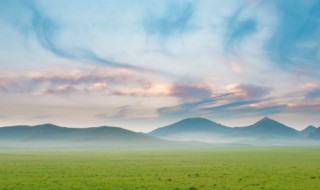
point(144, 64)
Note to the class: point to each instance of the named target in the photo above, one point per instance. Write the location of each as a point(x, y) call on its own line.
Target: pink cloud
point(190, 91)
point(249, 91)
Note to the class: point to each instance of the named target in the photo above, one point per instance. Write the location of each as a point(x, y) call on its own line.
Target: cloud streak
point(313, 94)
point(234, 109)
point(98, 79)
point(244, 100)
point(65, 82)
point(47, 30)
point(174, 19)
point(190, 91)
point(238, 29)
point(294, 42)
point(250, 91)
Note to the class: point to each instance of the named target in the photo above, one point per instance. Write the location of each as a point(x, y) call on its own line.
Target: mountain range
point(200, 129)
point(52, 135)
point(186, 132)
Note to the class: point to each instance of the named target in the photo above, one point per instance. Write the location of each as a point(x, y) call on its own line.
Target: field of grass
point(228, 168)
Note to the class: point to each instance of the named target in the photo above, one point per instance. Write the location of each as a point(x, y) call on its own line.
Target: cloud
point(185, 92)
point(222, 107)
point(231, 105)
point(245, 108)
point(149, 89)
point(240, 100)
point(312, 94)
point(121, 112)
point(42, 116)
point(250, 91)
point(3, 116)
point(190, 91)
point(174, 19)
point(82, 76)
point(86, 80)
point(310, 108)
point(186, 106)
point(238, 29)
point(243, 101)
point(3, 88)
point(56, 81)
point(63, 89)
point(47, 31)
point(295, 39)
point(128, 112)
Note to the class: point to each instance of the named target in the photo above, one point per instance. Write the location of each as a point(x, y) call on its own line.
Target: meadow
point(174, 169)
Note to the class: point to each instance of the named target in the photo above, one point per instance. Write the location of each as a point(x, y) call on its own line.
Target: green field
point(220, 168)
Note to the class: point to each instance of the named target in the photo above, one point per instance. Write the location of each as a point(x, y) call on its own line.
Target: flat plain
point(190, 169)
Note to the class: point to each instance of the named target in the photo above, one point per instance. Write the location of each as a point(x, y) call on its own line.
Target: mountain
point(190, 125)
point(49, 134)
point(267, 128)
point(315, 135)
point(189, 132)
point(308, 130)
point(191, 129)
point(204, 130)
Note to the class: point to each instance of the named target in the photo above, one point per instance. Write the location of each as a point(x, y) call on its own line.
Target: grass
point(242, 168)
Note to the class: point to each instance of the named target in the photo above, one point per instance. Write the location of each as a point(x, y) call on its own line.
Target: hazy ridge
point(187, 132)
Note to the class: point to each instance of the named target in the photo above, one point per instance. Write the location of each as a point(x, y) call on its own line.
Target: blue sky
point(144, 64)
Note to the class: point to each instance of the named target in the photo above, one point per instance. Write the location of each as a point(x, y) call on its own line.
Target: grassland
point(228, 168)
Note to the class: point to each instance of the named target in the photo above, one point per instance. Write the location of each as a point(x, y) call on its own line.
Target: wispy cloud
point(294, 41)
point(249, 91)
point(88, 79)
point(219, 109)
point(63, 89)
point(173, 19)
point(244, 100)
point(128, 112)
point(310, 108)
point(47, 31)
point(42, 116)
point(146, 89)
point(188, 92)
point(313, 94)
point(238, 28)
point(98, 79)
point(3, 116)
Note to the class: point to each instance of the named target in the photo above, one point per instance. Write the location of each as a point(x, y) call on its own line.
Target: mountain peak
point(267, 126)
point(47, 125)
point(308, 130)
point(190, 126)
point(310, 127)
point(196, 119)
point(267, 120)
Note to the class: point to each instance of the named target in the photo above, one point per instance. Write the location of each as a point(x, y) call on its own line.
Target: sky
point(148, 63)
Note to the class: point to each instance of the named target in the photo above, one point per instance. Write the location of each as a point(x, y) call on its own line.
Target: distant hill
point(190, 126)
point(267, 128)
point(204, 130)
point(50, 134)
point(308, 130)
